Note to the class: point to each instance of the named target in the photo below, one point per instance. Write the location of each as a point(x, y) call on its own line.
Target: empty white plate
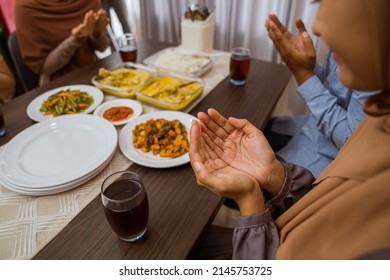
point(58, 151)
point(37, 191)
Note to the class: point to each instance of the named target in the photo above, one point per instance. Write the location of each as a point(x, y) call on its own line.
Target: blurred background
point(237, 23)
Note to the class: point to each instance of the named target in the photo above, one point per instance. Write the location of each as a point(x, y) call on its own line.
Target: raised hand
point(297, 51)
point(85, 29)
point(240, 145)
point(101, 21)
point(219, 177)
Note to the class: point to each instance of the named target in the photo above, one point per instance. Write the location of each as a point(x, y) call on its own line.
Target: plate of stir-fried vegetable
point(68, 100)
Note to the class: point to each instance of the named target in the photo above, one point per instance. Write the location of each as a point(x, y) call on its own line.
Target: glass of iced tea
point(240, 61)
point(127, 47)
point(125, 204)
point(2, 123)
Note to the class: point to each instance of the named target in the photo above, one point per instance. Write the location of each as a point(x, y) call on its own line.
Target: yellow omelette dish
point(124, 79)
point(171, 89)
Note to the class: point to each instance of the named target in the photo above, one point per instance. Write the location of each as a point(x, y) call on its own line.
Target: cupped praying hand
point(297, 51)
point(233, 159)
point(92, 26)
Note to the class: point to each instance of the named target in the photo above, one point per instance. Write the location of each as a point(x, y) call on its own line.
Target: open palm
point(297, 51)
point(86, 28)
point(102, 20)
point(221, 178)
point(238, 144)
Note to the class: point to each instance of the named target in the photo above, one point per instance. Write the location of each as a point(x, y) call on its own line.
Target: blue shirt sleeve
point(335, 122)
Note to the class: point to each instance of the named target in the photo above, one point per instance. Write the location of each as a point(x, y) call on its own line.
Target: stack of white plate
point(57, 154)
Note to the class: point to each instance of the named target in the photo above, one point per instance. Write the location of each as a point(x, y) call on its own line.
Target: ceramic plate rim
point(110, 137)
point(33, 107)
point(56, 189)
point(135, 105)
point(148, 159)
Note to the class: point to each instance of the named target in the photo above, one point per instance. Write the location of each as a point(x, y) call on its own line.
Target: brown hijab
point(347, 214)
point(43, 24)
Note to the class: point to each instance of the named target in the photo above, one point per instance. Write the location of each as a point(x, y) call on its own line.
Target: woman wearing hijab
point(56, 37)
point(344, 213)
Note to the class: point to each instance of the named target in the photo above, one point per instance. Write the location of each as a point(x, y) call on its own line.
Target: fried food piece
point(161, 137)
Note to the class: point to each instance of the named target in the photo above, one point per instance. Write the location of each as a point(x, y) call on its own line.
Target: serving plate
point(33, 109)
point(58, 151)
point(170, 90)
point(183, 61)
point(39, 191)
point(119, 84)
point(148, 159)
point(135, 105)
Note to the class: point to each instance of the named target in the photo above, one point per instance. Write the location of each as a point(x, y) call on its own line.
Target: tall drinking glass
point(127, 47)
point(2, 123)
point(125, 204)
point(240, 61)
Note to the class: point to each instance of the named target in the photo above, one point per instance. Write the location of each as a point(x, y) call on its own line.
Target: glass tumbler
point(127, 47)
point(125, 204)
point(240, 61)
point(2, 122)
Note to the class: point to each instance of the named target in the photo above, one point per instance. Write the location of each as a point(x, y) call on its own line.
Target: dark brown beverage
point(129, 53)
point(2, 123)
point(239, 69)
point(129, 219)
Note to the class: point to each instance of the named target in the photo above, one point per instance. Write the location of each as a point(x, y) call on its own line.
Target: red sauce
point(118, 113)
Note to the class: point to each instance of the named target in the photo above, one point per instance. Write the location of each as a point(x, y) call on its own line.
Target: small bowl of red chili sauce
point(119, 111)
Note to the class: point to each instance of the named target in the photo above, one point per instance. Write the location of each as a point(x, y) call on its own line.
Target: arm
point(101, 42)
point(319, 71)
point(298, 182)
point(220, 178)
point(59, 57)
point(242, 146)
point(232, 158)
point(237, 144)
point(297, 52)
point(99, 38)
point(334, 121)
point(92, 28)
point(63, 53)
point(256, 236)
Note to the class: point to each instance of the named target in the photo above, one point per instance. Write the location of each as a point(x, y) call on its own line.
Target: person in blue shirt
point(313, 140)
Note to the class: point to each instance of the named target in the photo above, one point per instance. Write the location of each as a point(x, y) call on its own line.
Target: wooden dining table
point(180, 210)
